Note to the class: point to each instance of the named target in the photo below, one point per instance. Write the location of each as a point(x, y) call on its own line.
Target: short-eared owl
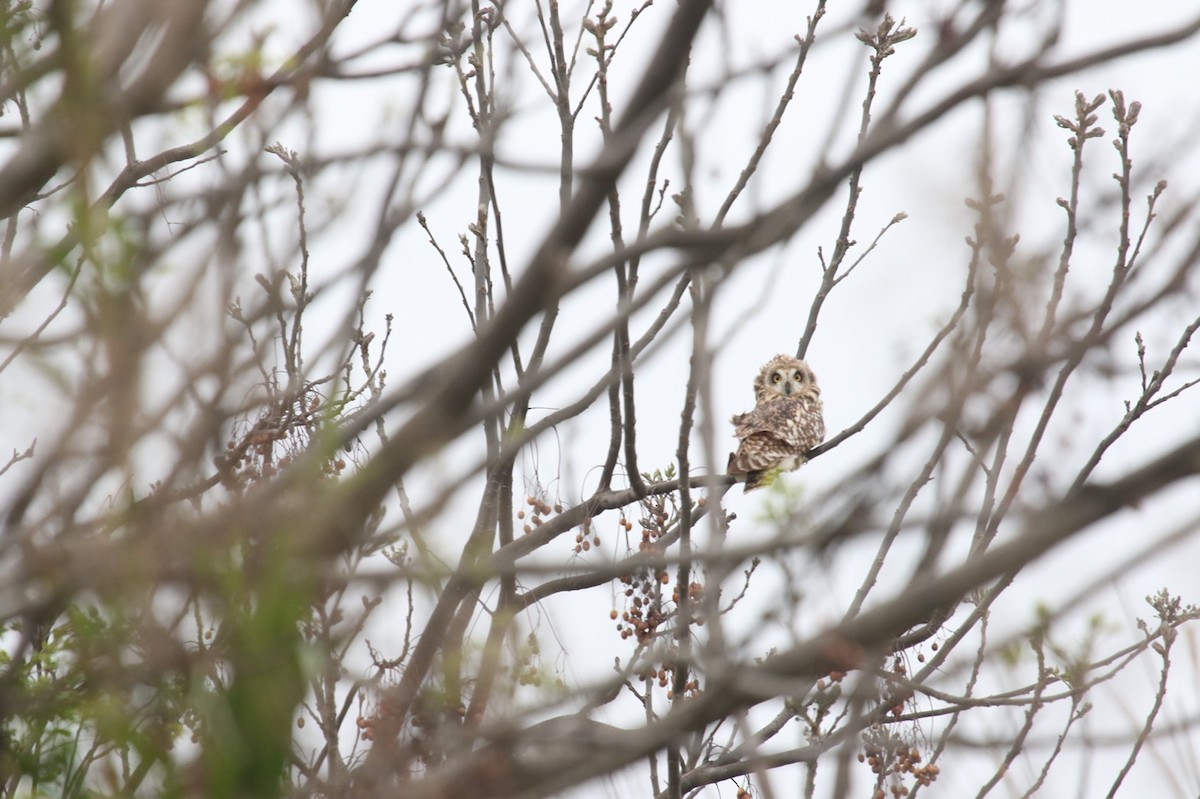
point(785, 424)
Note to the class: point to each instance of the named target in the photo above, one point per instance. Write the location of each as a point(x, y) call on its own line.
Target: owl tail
point(755, 478)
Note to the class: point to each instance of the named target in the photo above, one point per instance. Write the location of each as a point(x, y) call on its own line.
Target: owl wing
point(758, 452)
point(796, 423)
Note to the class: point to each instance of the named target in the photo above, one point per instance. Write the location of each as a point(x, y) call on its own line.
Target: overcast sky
point(872, 328)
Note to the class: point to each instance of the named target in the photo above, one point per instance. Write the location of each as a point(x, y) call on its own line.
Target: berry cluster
point(434, 719)
point(586, 538)
point(897, 692)
point(645, 614)
point(648, 607)
point(541, 511)
point(695, 594)
point(665, 676)
point(367, 725)
point(889, 756)
point(659, 513)
point(282, 432)
point(527, 665)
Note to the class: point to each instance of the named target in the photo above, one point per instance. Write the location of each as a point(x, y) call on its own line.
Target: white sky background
point(871, 329)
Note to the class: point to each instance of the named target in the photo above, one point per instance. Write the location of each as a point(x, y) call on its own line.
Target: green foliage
point(246, 736)
point(82, 722)
point(95, 713)
point(783, 500)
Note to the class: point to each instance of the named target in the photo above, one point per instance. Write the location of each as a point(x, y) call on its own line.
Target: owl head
point(785, 377)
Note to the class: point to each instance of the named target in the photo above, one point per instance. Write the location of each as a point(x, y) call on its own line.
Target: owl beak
point(787, 389)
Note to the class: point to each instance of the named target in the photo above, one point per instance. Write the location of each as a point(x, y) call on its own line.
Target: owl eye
point(799, 376)
point(775, 378)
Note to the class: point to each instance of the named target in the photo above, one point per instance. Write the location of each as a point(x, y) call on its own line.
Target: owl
point(785, 424)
